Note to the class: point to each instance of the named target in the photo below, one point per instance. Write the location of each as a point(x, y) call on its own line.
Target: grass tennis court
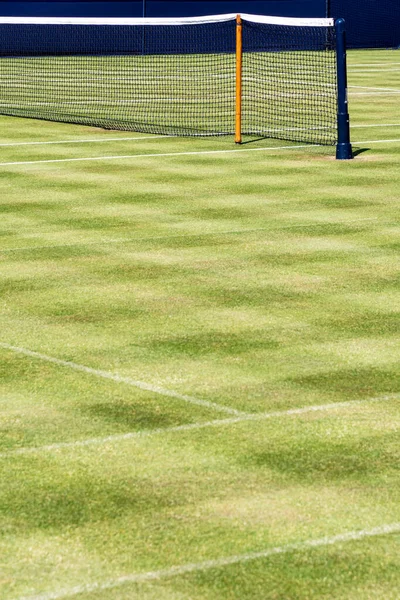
point(199, 361)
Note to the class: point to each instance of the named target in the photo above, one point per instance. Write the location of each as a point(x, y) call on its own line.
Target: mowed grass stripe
point(90, 141)
point(119, 379)
point(195, 426)
point(167, 238)
point(180, 570)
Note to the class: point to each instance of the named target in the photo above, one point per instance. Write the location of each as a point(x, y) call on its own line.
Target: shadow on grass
point(354, 383)
point(357, 151)
point(53, 499)
point(131, 416)
point(253, 140)
point(313, 458)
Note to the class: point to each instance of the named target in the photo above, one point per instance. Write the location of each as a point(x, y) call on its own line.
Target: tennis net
point(264, 76)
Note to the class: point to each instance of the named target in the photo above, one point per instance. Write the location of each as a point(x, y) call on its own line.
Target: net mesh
point(172, 79)
point(289, 82)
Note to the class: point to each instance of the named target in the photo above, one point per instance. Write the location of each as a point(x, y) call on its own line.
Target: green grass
point(262, 282)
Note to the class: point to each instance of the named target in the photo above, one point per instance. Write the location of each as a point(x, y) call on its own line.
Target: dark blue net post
point(343, 146)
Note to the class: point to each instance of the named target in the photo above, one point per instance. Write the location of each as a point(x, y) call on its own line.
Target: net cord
point(267, 20)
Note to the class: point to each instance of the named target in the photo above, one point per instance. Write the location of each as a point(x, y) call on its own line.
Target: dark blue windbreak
point(369, 23)
point(161, 8)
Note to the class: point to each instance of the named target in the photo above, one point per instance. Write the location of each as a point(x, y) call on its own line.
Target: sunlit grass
point(261, 281)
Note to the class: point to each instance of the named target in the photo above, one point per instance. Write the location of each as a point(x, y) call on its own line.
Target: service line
point(145, 433)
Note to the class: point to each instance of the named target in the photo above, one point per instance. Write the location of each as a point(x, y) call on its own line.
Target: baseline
point(175, 571)
point(120, 379)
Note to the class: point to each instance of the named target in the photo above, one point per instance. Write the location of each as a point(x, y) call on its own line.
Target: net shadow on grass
point(253, 140)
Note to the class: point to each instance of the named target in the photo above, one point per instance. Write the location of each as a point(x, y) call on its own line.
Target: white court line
point(370, 94)
point(93, 141)
point(367, 87)
point(357, 71)
point(193, 153)
point(194, 426)
point(385, 64)
point(156, 155)
point(148, 387)
point(374, 125)
point(218, 563)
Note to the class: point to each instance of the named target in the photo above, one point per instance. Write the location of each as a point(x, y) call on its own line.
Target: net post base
point(344, 151)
